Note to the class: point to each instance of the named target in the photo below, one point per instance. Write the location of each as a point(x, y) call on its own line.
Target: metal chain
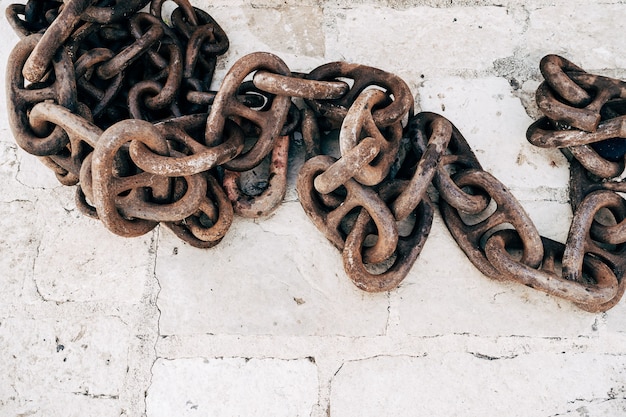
point(120, 104)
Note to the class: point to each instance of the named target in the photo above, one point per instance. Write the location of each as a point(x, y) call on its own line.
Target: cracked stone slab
point(474, 384)
point(63, 361)
point(11, 166)
point(80, 260)
point(232, 387)
point(19, 242)
point(276, 275)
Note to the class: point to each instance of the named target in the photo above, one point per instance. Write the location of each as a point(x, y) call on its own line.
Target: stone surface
point(481, 305)
point(549, 35)
point(281, 266)
point(469, 39)
point(60, 363)
point(494, 123)
point(237, 386)
point(93, 265)
point(474, 384)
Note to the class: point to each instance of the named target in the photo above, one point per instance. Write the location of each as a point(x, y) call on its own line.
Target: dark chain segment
point(120, 104)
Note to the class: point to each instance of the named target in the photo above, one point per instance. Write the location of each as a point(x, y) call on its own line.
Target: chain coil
point(120, 104)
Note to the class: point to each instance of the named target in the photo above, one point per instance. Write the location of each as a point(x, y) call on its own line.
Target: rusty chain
point(120, 104)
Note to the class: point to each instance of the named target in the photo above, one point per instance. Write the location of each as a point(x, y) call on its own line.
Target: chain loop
point(61, 88)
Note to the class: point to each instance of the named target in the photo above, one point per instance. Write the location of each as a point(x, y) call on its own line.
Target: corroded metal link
point(357, 154)
point(208, 226)
point(215, 44)
point(156, 7)
point(22, 98)
point(299, 87)
point(347, 166)
point(579, 109)
point(136, 216)
point(195, 54)
point(268, 200)
point(540, 134)
point(34, 12)
point(362, 77)
point(359, 123)
point(21, 27)
point(206, 41)
point(56, 34)
point(82, 134)
point(469, 233)
point(310, 133)
point(141, 93)
point(200, 158)
point(543, 134)
point(226, 105)
point(588, 236)
point(102, 97)
point(76, 126)
point(555, 70)
point(174, 71)
point(595, 163)
point(590, 297)
point(328, 219)
point(581, 184)
point(415, 192)
point(408, 248)
point(458, 157)
point(113, 13)
point(586, 119)
point(131, 53)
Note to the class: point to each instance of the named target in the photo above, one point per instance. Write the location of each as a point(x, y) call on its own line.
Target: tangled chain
point(120, 103)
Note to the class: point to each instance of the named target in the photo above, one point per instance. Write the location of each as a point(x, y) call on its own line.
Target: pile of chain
point(585, 117)
point(120, 103)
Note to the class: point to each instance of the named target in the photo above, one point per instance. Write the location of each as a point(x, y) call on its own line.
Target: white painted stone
point(578, 32)
point(33, 174)
point(11, 171)
point(616, 318)
point(494, 124)
point(269, 276)
point(422, 40)
point(446, 294)
point(59, 360)
point(80, 260)
point(60, 404)
point(294, 34)
point(473, 384)
point(19, 243)
point(232, 387)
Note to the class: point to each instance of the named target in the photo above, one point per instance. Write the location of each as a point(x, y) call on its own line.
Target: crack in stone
point(34, 277)
point(97, 396)
point(491, 358)
point(582, 410)
point(155, 244)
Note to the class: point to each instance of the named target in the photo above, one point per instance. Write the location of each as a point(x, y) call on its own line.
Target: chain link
point(120, 103)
